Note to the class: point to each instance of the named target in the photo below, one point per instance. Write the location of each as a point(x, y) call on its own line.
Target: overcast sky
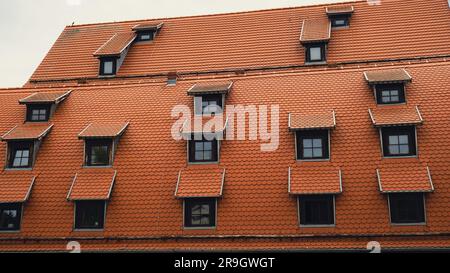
point(28, 28)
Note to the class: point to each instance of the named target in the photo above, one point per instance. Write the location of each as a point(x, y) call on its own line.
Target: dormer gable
point(340, 15)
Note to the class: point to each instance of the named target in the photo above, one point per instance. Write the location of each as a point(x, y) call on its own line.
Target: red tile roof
point(104, 130)
point(54, 97)
point(116, 45)
point(16, 187)
point(315, 30)
point(92, 184)
point(395, 115)
point(318, 179)
point(200, 181)
point(267, 38)
point(28, 131)
point(405, 178)
point(387, 76)
point(323, 120)
point(210, 88)
point(337, 10)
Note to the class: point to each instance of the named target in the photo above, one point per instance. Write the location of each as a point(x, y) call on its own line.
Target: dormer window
point(40, 106)
point(172, 78)
point(146, 32)
point(340, 15)
point(209, 98)
point(315, 53)
point(101, 141)
point(314, 37)
point(108, 66)
point(388, 85)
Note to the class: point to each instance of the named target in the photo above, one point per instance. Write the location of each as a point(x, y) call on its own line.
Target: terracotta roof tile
point(325, 179)
point(28, 131)
point(200, 182)
point(92, 184)
point(223, 87)
point(395, 115)
point(44, 97)
point(337, 10)
point(315, 30)
point(116, 45)
point(405, 178)
point(387, 76)
point(104, 130)
point(15, 187)
point(322, 120)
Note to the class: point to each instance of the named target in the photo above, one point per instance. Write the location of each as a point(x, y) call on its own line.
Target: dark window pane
point(89, 214)
point(98, 152)
point(315, 53)
point(20, 154)
point(390, 93)
point(312, 144)
point(200, 212)
point(38, 112)
point(316, 209)
point(203, 150)
point(407, 208)
point(211, 104)
point(10, 216)
point(108, 66)
point(399, 141)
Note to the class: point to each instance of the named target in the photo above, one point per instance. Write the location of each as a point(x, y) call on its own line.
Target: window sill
point(313, 160)
point(318, 226)
point(391, 104)
point(340, 27)
point(88, 230)
point(97, 167)
point(106, 76)
point(315, 63)
point(9, 231)
point(18, 169)
point(408, 224)
point(199, 228)
point(400, 157)
point(204, 163)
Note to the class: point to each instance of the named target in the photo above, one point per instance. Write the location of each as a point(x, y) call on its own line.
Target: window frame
point(340, 17)
point(407, 223)
point(199, 110)
point(379, 88)
point(11, 206)
point(89, 143)
point(410, 130)
point(214, 152)
point(32, 107)
point(102, 66)
point(187, 213)
point(13, 147)
point(318, 196)
point(77, 227)
point(323, 134)
point(323, 51)
point(145, 32)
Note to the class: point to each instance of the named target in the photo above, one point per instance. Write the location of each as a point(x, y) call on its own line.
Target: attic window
point(145, 36)
point(146, 32)
point(340, 15)
point(172, 78)
point(315, 53)
point(314, 37)
point(40, 106)
point(108, 66)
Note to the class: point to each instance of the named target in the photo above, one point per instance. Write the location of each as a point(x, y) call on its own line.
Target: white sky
point(28, 28)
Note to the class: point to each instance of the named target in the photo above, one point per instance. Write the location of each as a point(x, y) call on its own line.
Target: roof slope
point(395, 29)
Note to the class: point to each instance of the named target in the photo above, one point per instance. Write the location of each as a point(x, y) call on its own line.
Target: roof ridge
point(217, 14)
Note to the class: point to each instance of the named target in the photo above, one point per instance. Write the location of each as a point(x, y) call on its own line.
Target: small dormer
point(315, 36)
point(389, 86)
point(112, 54)
point(340, 15)
point(209, 97)
point(41, 106)
point(146, 32)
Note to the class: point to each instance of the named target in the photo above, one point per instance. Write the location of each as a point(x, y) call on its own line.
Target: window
point(208, 104)
point(203, 150)
point(312, 145)
point(145, 36)
point(316, 210)
point(342, 21)
point(200, 212)
point(38, 112)
point(315, 53)
point(89, 214)
point(172, 81)
point(390, 93)
point(399, 141)
point(98, 152)
point(10, 216)
point(108, 66)
point(407, 208)
point(20, 154)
